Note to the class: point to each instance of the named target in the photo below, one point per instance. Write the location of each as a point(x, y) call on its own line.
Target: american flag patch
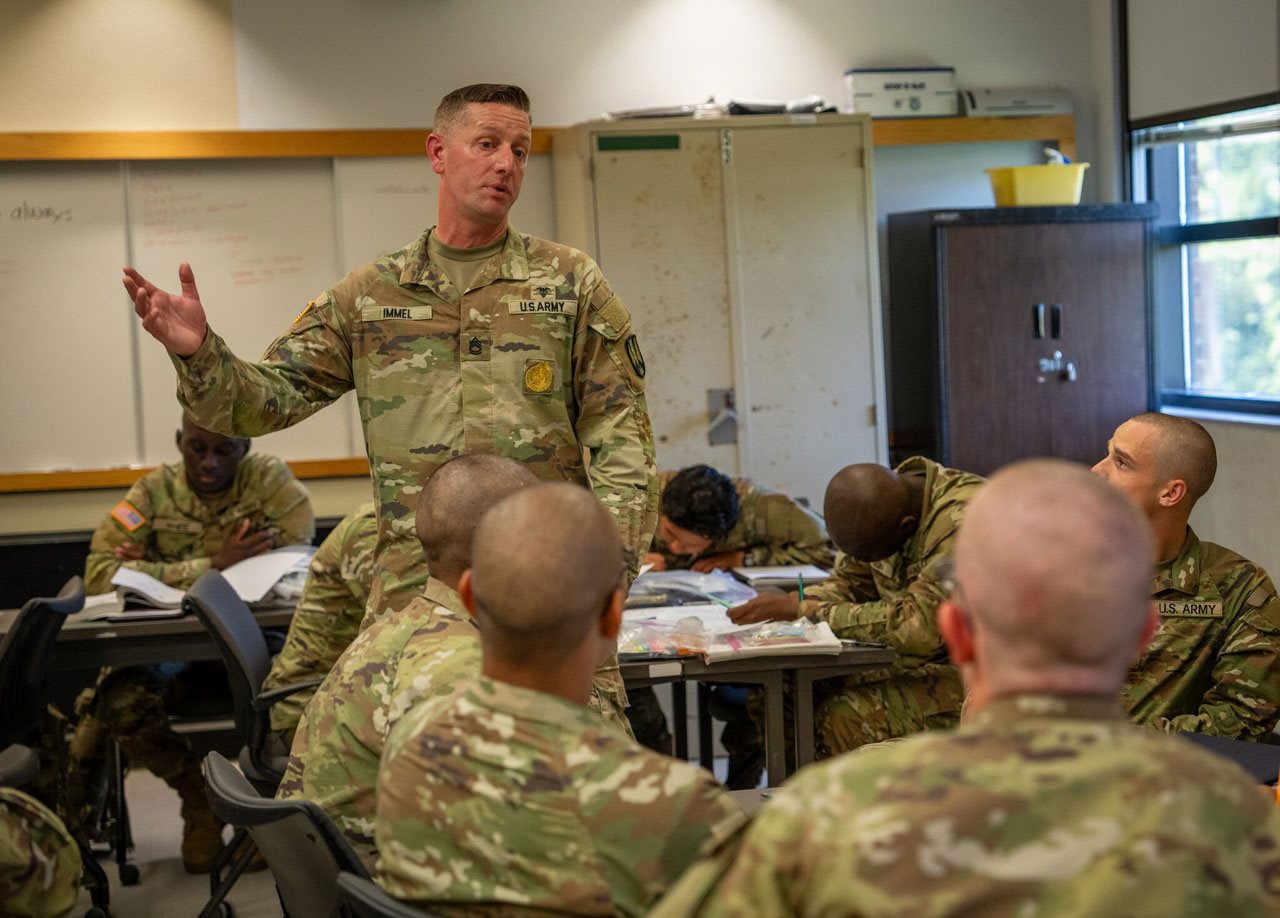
point(125, 514)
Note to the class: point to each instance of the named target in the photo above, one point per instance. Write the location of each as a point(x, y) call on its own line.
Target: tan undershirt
point(462, 266)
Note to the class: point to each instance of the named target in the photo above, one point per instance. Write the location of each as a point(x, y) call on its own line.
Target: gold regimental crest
point(538, 377)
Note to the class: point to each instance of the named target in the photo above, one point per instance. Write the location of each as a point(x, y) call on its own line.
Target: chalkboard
point(85, 387)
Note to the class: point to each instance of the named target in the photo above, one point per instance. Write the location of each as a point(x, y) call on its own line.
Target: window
point(1217, 258)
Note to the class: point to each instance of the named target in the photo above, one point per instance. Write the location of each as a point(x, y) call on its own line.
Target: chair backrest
point(24, 660)
point(366, 899)
point(303, 848)
point(244, 650)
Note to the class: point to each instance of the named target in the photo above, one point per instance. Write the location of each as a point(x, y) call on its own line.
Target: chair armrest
point(264, 700)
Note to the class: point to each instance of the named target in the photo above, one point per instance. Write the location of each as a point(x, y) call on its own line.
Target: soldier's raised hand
point(177, 322)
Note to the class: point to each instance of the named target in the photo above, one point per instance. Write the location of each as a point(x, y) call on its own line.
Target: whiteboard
point(259, 235)
point(66, 371)
point(84, 386)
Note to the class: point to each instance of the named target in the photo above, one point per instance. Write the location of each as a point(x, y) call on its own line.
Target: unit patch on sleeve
point(127, 516)
point(634, 355)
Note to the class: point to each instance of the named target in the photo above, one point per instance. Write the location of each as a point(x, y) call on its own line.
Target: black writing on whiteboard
point(36, 213)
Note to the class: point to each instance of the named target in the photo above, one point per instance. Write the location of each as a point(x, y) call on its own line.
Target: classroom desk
point(774, 674)
point(90, 645)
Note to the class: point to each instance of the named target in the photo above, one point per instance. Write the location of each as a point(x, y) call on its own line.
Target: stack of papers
point(140, 597)
point(783, 576)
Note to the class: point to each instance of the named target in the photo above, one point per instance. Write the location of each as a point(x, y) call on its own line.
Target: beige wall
point(117, 65)
point(1242, 509)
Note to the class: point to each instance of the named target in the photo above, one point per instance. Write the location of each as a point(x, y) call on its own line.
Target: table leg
point(680, 716)
point(804, 719)
point(774, 729)
point(705, 755)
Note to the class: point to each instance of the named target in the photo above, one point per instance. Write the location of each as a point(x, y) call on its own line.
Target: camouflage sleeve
point(613, 419)
point(101, 565)
point(287, 505)
point(850, 583)
point(328, 615)
point(793, 534)
point(1244, 700)
point(608, 697)
point(907, 623)
point(302, 371)
point(39, 861)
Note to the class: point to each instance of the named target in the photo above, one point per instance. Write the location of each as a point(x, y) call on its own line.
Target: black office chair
point(244, 651)
point(303, 848)
point(24, 669)
point(366, 899)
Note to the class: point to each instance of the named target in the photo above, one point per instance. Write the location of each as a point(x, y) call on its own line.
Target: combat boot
point(201, 829)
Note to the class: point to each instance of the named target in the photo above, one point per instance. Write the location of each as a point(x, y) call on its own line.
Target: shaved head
point(452, 502)
point(546, 561)
point(1053, 568)
point(868, 511)
point(1183, 449)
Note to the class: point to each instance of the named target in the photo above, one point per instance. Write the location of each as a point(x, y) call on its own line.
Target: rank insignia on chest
point(1197, 608)
point(127, 516)
point(539, 376)
point(475, 346)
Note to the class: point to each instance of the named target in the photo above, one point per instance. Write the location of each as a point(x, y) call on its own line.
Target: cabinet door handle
point(1055, 320)
point(1037, 320)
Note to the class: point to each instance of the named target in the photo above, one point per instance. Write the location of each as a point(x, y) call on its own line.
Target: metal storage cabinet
point(745, 249)
point(1016, 332)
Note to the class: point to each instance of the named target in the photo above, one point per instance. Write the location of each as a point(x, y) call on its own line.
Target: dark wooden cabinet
point(1016, 332)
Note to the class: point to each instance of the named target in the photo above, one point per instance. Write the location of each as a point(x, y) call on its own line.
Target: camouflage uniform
point(537, 362)
point(1214, 665)
point(406, 659)
point(895, 602)
point(39, 861)
point(771, 529)
point(1039, 805)
point(519, 800)
point(328, 614)
point(180, 532)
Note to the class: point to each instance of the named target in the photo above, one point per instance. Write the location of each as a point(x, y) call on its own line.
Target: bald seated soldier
point(220, 505)
point(513, 796)
point(328, 614)
point(409, 657)
point(39, 861)
point(708, 521)
point(1214, 665)
point(895, 530)
point(1046, 801)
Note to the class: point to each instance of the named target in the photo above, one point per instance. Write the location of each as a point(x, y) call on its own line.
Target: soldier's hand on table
point(242, 544)
point(722, 561)
point(655, 561)
point(767, 607)
point(130, 551)
point(177, 322)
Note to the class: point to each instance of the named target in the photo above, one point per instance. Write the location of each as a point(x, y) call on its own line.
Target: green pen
point(717, 599)
point(800, 582)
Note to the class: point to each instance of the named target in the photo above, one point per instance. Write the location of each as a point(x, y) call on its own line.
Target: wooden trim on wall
point(124, 476)
point(144, 145)
point(893, 132)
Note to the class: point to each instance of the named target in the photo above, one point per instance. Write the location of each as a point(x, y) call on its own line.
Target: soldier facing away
point(219, 505)
point(1046, 800)
point(513, 797)
point(39, 861)
point(1214, 664)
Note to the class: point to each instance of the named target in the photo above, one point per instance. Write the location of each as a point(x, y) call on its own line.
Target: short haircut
point(545, 562)
point(454, 499)
point(701, 500)
point(454, 105)
point(1184, 450)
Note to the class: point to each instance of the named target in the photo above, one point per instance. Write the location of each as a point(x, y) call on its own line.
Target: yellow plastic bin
point(1028, 186)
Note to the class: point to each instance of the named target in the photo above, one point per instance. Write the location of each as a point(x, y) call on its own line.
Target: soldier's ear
point(957, 631)
point(611, 619)
point(435, 152)
point(466, 592)
point(1173, 493)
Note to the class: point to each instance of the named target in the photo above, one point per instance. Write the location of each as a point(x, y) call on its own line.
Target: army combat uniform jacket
point(523, 801)
point(329, 611)
point(537, 361)
point(39, 861)
point(771, 529)
point(1214, 664)
point(181, 530)
point(1039, 805)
